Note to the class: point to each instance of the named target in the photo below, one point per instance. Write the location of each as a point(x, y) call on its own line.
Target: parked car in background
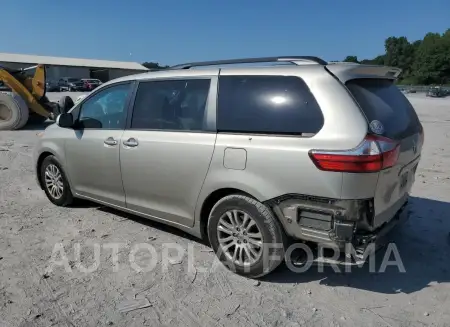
point(436, 92)
point(70, 84)
point(51, 86)
point(91, 83)
point(406, 89)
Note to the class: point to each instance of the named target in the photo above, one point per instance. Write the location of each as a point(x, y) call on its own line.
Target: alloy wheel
point(240, 237)
point(54, 181)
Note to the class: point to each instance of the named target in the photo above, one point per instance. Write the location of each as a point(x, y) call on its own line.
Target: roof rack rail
point(343, 63)
point(291, 59)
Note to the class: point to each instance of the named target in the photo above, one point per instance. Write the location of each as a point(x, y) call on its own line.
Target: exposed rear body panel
point(395, 184)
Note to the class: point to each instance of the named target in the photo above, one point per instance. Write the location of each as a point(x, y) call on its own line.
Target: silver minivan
point(246, 153)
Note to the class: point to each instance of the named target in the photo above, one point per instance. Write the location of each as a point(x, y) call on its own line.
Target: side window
point(171, 105)
point(267, 104)
point(107, 109)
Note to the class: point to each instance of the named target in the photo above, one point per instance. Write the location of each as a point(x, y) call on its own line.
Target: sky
point(177, 31)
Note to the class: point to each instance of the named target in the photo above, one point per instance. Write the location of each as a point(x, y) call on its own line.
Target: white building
point(57, 67)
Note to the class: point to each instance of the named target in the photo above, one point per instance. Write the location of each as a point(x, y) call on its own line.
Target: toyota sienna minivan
point(246, 153)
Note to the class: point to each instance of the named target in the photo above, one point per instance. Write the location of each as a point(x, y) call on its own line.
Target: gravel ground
point(32, 295)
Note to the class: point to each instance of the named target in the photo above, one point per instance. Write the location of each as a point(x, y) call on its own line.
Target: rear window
point(267, 105)
point(381, 100)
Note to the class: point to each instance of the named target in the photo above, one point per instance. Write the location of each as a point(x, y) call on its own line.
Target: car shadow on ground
point(150, 223)
point(423, 245)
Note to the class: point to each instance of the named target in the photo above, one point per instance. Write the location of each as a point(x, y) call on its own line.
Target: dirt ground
point(31, 295)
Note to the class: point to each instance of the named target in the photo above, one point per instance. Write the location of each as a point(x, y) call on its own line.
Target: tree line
point(423, 62)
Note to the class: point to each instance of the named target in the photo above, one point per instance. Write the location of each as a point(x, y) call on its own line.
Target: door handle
point(131, 142)
point(110, 141)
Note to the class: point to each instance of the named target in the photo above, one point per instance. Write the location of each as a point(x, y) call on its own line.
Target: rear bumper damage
point(337, 223)
point(379, 237)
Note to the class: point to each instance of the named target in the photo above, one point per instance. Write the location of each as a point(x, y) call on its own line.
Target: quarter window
point(171, 105)
point(267, 105)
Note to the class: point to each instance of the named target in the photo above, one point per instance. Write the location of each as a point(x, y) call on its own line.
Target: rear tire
point(13, 112)
point(54, 181)
point(253, 232)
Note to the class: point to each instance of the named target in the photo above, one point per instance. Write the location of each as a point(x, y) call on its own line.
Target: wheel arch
point(50, 150)
point(39, 162)
point(209, 203)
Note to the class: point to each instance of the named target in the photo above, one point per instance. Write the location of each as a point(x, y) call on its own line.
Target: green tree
point(399, 53)
point(425, 61)
point(432, 60)
point(378, 60)
point(351, 59)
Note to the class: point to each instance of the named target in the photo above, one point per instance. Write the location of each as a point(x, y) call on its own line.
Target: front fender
point(51, 144)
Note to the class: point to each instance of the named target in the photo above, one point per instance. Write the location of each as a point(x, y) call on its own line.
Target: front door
point(92, 152)
point(165, 155)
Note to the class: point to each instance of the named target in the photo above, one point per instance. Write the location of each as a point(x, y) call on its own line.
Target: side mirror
point(65, 120)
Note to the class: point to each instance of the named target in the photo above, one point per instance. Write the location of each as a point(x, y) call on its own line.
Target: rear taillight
point(373, 154)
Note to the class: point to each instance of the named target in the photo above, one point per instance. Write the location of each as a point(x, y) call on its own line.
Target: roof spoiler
point(348, 71)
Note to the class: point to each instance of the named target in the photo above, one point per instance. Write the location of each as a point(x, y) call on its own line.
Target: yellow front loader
point(27, 97)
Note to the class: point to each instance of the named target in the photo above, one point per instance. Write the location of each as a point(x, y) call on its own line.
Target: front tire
point(246, 236)
point(14, 112)
point(54, 182)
